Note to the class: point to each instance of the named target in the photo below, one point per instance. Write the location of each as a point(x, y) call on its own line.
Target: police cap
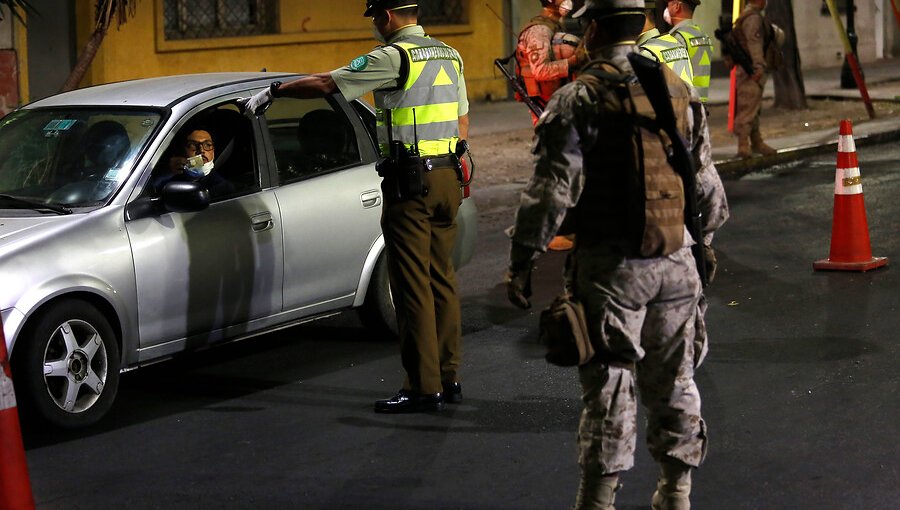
point(371, 5)
point(596, 8)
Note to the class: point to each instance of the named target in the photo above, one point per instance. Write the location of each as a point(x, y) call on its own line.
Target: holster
point(403, 174)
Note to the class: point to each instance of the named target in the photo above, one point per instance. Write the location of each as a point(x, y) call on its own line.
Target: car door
point(330, 199)
point(200, 272)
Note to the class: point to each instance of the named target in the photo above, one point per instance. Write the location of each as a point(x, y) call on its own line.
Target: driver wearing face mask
point(194, 160)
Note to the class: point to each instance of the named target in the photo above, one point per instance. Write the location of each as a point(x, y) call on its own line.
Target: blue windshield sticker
point(59, 125)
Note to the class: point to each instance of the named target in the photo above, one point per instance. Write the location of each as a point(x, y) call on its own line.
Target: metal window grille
point(442, 12)
point(200, 19)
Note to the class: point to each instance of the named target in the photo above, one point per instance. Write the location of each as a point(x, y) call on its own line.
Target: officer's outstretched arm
point(307, 87)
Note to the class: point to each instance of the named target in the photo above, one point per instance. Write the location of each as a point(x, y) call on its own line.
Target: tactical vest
point(425, 104)
point(772, 55)
point(669, 50)
point(542, 89)
point(633, 200)
point(699, 47)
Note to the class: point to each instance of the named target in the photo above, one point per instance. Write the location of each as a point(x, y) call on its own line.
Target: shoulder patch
point(359, 63)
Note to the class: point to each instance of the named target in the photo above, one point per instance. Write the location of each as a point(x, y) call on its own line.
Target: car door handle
point(370, 198)
point(261, 222)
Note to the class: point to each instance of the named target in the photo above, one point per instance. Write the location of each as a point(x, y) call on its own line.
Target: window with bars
point(442, 12)
point(201, 19)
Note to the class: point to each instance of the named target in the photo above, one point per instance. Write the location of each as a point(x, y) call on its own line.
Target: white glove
point(258, 103)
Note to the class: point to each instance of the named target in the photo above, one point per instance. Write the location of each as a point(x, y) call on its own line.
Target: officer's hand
point(757, 75)
point(258, 103)
point(518, 286)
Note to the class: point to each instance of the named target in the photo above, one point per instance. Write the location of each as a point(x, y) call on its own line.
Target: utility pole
point(847, 80)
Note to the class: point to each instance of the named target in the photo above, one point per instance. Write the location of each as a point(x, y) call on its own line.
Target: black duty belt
point(432, 162)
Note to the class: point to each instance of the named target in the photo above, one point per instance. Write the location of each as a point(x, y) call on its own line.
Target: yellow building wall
point(314, 37)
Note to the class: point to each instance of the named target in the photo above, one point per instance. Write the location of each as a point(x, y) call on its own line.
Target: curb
point(733, 169)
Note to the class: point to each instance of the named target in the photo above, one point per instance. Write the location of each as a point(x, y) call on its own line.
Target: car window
point(215, 148)
point(70, 157)
point(310, 137)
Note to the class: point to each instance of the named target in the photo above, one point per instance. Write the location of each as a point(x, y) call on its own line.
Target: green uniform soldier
point(664, 48)
point(632, 267)
point(680, 13)
point(420, 94)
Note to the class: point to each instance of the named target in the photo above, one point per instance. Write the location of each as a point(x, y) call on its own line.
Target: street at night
point(800, 391)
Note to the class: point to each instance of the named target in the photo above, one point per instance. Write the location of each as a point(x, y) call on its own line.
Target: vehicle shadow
point(208, 377)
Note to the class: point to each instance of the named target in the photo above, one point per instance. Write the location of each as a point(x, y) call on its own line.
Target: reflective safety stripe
point(699, 47)
point(431, 90)
point(668, 50)
point(7, 394)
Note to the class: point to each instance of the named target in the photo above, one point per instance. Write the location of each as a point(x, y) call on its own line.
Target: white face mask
point(667, 16)
point(196, 172)
point(565, 7)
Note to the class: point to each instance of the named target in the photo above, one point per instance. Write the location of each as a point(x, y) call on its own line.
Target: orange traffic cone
point(850, 247)
point(15, 488)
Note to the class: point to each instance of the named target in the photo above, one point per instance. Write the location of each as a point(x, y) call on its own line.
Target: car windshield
point(68, 157)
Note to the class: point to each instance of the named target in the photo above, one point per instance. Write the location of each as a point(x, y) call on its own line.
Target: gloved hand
point(258, 103)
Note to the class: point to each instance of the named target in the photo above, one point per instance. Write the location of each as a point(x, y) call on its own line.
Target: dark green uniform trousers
point(419, 235)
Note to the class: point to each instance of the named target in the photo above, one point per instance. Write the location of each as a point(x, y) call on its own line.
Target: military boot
point(744, 151)
point(758, 145)
point(597, 492)
point(673, 489)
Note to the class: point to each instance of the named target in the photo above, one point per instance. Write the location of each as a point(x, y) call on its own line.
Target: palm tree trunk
point(84, 60)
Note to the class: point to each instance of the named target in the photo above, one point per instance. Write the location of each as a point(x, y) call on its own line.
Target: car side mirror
point(179, 196)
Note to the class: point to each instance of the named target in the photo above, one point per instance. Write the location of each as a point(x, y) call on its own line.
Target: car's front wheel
point(66, 365)
point(377, 311)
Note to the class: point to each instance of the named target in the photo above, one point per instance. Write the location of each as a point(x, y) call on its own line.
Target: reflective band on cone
point(850, 246)
point(15, 487)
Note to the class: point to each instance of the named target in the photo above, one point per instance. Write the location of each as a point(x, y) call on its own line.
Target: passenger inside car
point(105, 144)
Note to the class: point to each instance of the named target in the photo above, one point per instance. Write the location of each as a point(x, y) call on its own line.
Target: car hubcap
point(75, 366)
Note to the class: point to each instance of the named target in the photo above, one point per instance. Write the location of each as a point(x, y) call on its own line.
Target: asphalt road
point(800, 391)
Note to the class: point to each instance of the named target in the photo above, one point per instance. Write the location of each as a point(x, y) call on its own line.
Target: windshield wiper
point(23, 203)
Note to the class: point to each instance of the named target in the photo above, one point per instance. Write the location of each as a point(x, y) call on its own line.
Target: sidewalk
point(882, 80)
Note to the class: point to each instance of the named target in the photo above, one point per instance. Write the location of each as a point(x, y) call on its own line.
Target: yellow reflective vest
point(669, 50)
point(699, 47)
point(424, 107)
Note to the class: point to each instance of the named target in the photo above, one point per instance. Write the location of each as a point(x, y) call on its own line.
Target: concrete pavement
point(882, 79)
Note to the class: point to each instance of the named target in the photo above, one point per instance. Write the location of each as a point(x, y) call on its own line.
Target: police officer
point(420, 91)
point(640, 299)
point(664, 48)
point(750, 31)
point(680, 14)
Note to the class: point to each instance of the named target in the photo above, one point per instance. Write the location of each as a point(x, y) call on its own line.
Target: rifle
point(650, 75)
point(520, 90)
point(731, 48)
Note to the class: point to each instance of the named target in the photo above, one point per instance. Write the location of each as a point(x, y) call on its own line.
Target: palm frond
point(15, 6)
point(108, 10)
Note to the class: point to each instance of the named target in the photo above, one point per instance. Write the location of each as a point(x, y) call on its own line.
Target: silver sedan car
point(145, 218)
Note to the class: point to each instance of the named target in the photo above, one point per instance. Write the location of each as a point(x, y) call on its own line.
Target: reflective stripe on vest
point(431, 91)
point(699, 47)
point(669, 50)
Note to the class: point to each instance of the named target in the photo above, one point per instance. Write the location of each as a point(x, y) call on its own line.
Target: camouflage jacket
point(565, 132)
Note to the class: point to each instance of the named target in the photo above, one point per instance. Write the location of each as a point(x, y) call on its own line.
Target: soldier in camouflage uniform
point(641, 310)
point(750, 31)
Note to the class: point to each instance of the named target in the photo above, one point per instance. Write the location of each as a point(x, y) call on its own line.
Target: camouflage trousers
point(646, 310)
point(749, 103)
